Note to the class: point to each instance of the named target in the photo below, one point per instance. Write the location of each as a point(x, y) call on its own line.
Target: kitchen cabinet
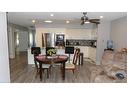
point(92, 53)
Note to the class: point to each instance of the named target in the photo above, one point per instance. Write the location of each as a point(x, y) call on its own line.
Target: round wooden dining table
point(43, 59)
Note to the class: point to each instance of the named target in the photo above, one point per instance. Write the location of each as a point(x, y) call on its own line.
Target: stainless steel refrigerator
point(48, 39)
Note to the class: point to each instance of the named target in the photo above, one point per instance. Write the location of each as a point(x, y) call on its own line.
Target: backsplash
point(80, 42)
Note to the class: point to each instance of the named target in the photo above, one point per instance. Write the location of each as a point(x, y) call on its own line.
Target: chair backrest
point(69, 50)
point(76, 55)
point(108, 55)
point(36, 50)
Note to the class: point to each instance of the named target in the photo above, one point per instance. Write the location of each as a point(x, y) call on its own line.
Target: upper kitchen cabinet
point(78, 34)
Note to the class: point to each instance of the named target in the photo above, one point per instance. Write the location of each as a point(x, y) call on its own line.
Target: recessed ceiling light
point(48, 21)
point(67, 21)
point(51, 14)
point(33, 21)
point(101, 16)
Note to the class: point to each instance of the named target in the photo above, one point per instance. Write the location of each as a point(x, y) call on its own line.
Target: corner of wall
point(103, 35)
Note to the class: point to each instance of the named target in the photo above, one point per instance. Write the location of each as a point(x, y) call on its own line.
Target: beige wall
point(103, 35)
point(69, 33)
point(119, 33)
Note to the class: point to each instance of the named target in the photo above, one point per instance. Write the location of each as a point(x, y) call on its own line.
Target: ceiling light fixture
point(67, 21)
point(51, 14)
point(48, 21)
point(101, 16)
point(33, 21)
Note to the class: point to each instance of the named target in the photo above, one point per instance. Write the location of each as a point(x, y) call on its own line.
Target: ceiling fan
point(85, 19)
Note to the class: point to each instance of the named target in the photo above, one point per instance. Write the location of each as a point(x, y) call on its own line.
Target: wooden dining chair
point(36, 51)
point(72, 65)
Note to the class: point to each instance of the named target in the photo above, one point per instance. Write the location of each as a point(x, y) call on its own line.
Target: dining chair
point(72, 65)
point(36, 51)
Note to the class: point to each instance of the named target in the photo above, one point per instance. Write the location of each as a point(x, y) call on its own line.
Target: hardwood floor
point(21, 72)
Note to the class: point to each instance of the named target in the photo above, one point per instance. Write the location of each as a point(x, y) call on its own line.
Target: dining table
point(51, 60)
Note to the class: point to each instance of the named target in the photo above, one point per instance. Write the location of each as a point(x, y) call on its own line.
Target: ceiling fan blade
point(96, 22)
point(94, 19)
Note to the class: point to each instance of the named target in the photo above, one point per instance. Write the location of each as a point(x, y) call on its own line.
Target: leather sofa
point(113, 68)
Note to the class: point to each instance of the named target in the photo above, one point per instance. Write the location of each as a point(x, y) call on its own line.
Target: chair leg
point(37, 72)
point(43, 69)
point(73, 71)
point(48, 73)
point(49, 70)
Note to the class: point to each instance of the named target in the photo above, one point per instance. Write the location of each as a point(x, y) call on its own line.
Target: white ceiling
point(25, 18)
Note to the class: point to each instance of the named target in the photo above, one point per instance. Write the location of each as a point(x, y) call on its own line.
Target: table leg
point(63, 71)
point(40, 71)
point(82, 59)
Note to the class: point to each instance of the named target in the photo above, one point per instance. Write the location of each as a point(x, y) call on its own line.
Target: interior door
point(23, 41)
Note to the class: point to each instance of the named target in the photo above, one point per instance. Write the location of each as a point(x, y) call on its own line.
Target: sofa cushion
point(120, 57)
point(104, 79)
point(107, 68)
point(118, 64)
point(112, 72)
point(108, 55)
point(106, 62)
